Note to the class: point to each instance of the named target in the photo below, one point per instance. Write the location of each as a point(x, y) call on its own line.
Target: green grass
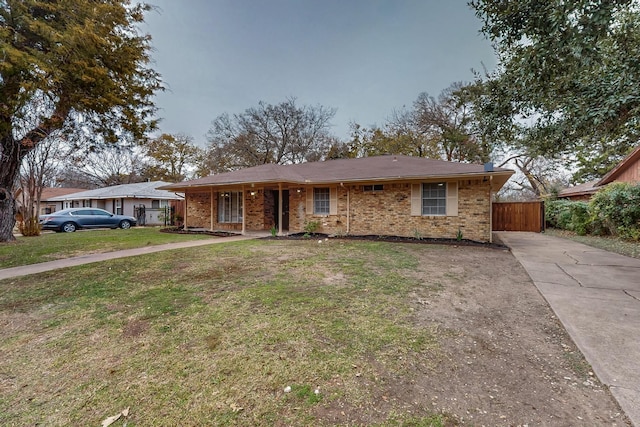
point(213, 335)
point(52, 246)
point(608, 243)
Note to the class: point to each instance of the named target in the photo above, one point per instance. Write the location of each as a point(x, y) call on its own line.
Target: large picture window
point(230, 206)
point(434, 198)
point(321, 205)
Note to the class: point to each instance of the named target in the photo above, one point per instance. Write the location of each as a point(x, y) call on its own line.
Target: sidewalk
point(25, 270)
point(596, 296)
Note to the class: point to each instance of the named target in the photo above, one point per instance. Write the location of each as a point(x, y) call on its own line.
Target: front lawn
point(292, 333)
point(52, 246)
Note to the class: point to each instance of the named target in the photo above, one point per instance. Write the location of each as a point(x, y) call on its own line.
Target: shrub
point(616, 210)
point(568, 215)
point(311, 227)
point(557, 213)
point(580, 218)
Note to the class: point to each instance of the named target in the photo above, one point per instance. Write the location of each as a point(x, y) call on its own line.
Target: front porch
point(244, 210)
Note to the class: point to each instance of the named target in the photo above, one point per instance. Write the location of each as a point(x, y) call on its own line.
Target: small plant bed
point(396, 239)
point(199, 231)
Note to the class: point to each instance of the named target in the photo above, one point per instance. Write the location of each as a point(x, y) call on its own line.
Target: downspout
point(211, 221)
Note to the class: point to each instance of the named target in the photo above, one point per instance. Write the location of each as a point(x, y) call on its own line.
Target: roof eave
point(505, 173)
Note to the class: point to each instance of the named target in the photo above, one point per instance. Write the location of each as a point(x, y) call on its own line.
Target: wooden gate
point(518, 216)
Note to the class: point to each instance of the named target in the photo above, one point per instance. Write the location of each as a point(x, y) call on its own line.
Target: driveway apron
point(596, 296)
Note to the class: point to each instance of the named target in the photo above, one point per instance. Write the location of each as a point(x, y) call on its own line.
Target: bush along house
point(384, 195)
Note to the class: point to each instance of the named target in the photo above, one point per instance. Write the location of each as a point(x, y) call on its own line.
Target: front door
point(285, 209)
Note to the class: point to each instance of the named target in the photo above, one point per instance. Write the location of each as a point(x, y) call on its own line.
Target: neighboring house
point(628, 170)
point(142, 200)
point(580, 192)
point(46, 204)
point(384, 195)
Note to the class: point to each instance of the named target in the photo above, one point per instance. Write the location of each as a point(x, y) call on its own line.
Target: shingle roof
point(379, 168)
point(140, 190)
point(579, 190)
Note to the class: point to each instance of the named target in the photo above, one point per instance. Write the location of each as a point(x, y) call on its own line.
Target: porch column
point(280, 209)
point(490, 209)
point(186, 209)
point(211, 209)
point(243, 211)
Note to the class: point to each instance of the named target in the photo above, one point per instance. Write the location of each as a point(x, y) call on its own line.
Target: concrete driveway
point(596, 295)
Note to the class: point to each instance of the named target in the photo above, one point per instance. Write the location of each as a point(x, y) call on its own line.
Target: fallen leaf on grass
point(108, 421)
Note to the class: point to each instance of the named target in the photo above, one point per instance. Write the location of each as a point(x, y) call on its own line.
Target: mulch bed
point(396, 239)
point(370, 237)
point(181, 230)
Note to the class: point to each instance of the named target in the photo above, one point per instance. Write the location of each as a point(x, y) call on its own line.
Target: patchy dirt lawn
point(506, 359)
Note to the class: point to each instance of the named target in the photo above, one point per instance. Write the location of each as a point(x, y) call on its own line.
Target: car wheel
point(125, 224)
point(68, 227)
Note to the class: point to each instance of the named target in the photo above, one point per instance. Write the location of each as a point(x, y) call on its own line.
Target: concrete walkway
point(596, 296)
point(8, 273)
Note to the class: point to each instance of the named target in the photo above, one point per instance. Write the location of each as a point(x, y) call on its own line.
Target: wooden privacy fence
point(518, 216)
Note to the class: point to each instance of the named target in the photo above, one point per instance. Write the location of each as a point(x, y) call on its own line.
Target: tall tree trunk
point(11, 155)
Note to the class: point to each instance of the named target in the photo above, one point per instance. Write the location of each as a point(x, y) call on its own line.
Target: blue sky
point(363, 57)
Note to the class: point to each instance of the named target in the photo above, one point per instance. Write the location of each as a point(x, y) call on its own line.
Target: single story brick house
point(382, 195)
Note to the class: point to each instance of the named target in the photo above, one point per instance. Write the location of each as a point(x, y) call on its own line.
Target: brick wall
point(386, 212)
point(198, 209)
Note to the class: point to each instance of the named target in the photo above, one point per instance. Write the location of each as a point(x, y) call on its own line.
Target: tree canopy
point(436, 127)
point(170, 156)
point(76, 66)
point(568, 80)
point(282, 133)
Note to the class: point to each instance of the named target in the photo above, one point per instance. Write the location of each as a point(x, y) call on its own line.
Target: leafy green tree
point(450, 120)
point(568, 80)
point(79, 67)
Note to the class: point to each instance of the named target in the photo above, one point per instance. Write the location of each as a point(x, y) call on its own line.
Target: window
point(118, 207)
point(434, 198)
point(155, 204)
point(321, 201)
point(374, 187)
point(230, 206)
